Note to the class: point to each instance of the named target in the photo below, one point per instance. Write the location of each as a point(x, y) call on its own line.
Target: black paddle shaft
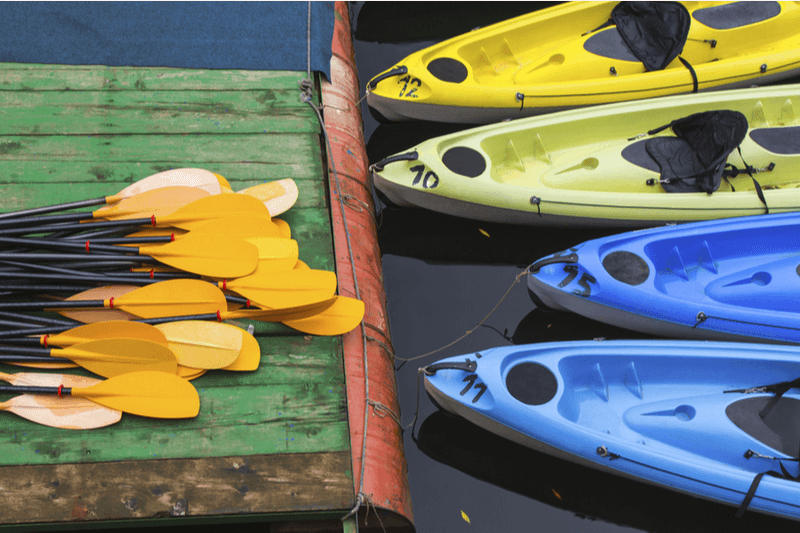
point(89, 246)
point(64, 304)
point(53, 208)
point(72, 257)
point(61, 391)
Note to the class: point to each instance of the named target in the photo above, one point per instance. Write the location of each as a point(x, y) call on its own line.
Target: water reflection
point(587, 493)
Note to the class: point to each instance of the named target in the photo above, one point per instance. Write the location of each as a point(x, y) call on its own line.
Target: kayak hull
point(563, 57)
point(719, 280)
point(653, 411)
point(590, 167)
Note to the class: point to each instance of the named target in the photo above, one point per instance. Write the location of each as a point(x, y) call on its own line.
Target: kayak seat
point(609, 43)
point(780, 429)
point(636, 154)
point(676, 160)
point(737, 14)
point(695, 158)
point(784, 141)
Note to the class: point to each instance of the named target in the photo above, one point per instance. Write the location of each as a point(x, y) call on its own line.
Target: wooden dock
point(272, 445)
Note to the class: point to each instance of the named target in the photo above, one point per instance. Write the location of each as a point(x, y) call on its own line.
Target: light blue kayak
point(732, 279)
point(684, 415)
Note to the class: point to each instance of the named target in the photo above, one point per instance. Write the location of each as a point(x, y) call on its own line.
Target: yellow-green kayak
point(573, 55)
point(593, 167)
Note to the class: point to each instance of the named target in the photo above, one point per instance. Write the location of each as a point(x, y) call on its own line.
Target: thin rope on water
point(307, 97)
point(468, 332)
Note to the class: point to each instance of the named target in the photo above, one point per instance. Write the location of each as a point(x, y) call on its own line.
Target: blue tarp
point(220, 35)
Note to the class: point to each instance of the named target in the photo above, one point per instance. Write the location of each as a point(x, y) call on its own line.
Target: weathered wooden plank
point(14, 196)
point(122, 173)
point(27, 77)
point(204, 149)
point(219, 487)
point(278, 418)
point(107, 112)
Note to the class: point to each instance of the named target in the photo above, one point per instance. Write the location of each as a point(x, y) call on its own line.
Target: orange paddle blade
point(112, 357)
point(153, 394)
point(201, 344)
point(341, 317)
point(199, 212)
point(105, 330)
point(249, 355)
point(176, 297)
point(284, 288)
point(157, 202)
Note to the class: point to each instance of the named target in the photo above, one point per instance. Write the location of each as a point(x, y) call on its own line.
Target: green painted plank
point(119, 174)
point(284, 418)
point(14, 196)
point(27, 77)
point(104, 112)
point(284, 149)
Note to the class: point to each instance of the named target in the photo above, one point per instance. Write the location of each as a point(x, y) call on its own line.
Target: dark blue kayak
point(733, 279)
point(712, 419)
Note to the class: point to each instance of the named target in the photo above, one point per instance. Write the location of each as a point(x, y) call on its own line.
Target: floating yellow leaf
point(465, 517)
point(557, 494)
point(483, 231)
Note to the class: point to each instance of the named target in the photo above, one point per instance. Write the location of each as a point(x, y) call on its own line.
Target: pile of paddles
point(141, 287)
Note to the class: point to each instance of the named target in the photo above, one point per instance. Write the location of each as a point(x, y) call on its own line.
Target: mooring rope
point(307, 88)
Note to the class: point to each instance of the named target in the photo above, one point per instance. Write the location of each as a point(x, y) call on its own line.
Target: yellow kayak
point(576, 55)
point(599, 166)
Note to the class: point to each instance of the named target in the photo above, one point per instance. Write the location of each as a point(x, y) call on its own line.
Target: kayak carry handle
point(571, 258)
point(394, 72)
point(408, 156)
point(469, 366)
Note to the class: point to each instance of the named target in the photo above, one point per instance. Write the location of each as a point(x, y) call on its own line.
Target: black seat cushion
point(655, 32)
point(780, 429)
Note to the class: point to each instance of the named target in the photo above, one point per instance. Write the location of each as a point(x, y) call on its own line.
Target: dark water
point(443, 275)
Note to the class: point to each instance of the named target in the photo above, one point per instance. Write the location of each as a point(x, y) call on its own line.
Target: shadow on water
point(438, 238)
point(587, 493)
point(554, 326)
point(393, 22)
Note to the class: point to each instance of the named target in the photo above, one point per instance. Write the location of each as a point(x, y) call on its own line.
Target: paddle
point(195, 213)
point(203, 254)
point(249, 356)
point(158, 202)
point(96, 331)
point(202, 344)
point(190, 373)
point(283, 227)
point(184, 177)
point(288, 288)
point(98, 315)
point(64, 413)
point(199, 345)
point(104, 357)
point(275, 254)
point(278, 196)
point(284, 289)
point(165, 298)
point(244, 226)
point(146, 393)
point(341, 317)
